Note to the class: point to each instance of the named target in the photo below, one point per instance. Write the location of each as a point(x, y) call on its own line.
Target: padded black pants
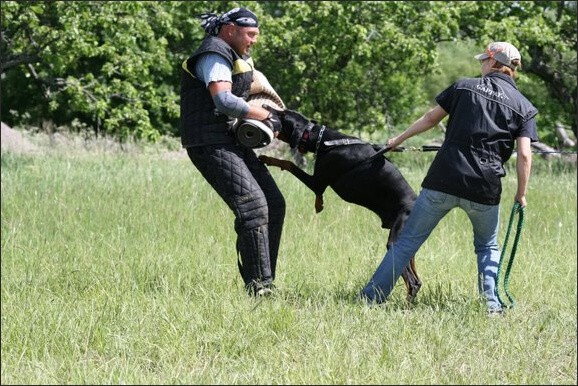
point(247, 187)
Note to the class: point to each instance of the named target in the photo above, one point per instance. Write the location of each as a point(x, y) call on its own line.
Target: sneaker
point(495, 313)
point(263, 292)
point(258, 290)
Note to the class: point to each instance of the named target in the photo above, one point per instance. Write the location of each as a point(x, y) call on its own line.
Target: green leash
point(516, 208)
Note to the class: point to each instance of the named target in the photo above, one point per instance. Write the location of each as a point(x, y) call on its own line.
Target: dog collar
point(302, 146)
point(319, 136)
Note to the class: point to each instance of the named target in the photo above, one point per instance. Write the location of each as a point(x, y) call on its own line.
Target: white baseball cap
point(503, 52)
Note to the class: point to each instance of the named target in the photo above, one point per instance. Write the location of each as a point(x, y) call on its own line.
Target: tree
point(114, 67)
point(103, 64)
point(347, 62)
point(545, 33)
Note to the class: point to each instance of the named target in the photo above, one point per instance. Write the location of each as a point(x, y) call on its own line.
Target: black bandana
point(242, 17)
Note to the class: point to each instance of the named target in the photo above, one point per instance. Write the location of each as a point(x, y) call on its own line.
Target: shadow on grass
point(438, 298)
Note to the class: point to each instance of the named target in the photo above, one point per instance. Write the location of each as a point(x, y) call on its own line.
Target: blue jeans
point(431, 206)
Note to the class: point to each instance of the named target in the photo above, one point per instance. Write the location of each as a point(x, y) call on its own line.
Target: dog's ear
point(296, 115)
point(271, 109)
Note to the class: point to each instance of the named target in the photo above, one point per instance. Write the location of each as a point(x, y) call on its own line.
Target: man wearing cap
point(215, 85)
point(487, 116)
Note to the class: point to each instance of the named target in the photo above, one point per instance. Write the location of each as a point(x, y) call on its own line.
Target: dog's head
point(293, 125)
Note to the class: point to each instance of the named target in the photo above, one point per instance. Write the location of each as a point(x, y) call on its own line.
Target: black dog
point(356, 170)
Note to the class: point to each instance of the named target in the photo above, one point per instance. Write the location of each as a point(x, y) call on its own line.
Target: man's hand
point(393, 143)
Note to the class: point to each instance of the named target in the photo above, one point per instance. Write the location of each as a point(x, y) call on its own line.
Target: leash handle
point(520, 209)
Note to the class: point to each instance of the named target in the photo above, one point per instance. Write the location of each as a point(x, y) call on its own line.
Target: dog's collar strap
point(344, 141)
point(302, 146)
point(319, 136)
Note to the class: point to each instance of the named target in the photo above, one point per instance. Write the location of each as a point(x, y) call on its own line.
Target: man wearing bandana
point(215, 85)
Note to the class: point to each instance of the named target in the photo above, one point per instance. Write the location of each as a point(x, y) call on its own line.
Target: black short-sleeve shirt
point(486, 115)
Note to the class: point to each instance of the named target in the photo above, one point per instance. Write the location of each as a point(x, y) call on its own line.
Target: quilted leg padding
point(249, 190)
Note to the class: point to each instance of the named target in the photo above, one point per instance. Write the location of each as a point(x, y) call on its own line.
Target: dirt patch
point(13, 141)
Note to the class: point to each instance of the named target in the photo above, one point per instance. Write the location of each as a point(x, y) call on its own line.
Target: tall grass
point(119, 268)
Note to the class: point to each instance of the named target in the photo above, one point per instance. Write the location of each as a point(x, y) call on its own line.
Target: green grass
point(119, 268)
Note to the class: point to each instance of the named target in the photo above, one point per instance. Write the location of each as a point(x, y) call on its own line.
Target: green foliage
point(545, 33)
point(358, 81)
point(366, 67)
point(454, 62)
point(98, 62)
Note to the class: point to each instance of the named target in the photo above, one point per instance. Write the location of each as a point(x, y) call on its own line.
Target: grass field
point(119, 268)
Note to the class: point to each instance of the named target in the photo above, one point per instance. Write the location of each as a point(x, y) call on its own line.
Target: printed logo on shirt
point(492, 93)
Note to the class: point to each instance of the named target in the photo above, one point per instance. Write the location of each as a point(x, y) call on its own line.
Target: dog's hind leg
point(409, 273)
point(412, 282)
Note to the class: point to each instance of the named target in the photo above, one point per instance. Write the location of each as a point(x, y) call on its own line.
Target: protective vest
point(486, 115)
point(201, 122)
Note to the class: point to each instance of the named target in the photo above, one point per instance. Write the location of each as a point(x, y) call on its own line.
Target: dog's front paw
point(270, 161)
point(318, 203)
point(264, 159)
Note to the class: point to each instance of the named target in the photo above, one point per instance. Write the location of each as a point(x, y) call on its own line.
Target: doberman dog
point(355, 169)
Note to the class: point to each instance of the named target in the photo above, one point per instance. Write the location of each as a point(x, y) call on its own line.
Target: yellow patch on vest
point(186, 68)
point(240, 66)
